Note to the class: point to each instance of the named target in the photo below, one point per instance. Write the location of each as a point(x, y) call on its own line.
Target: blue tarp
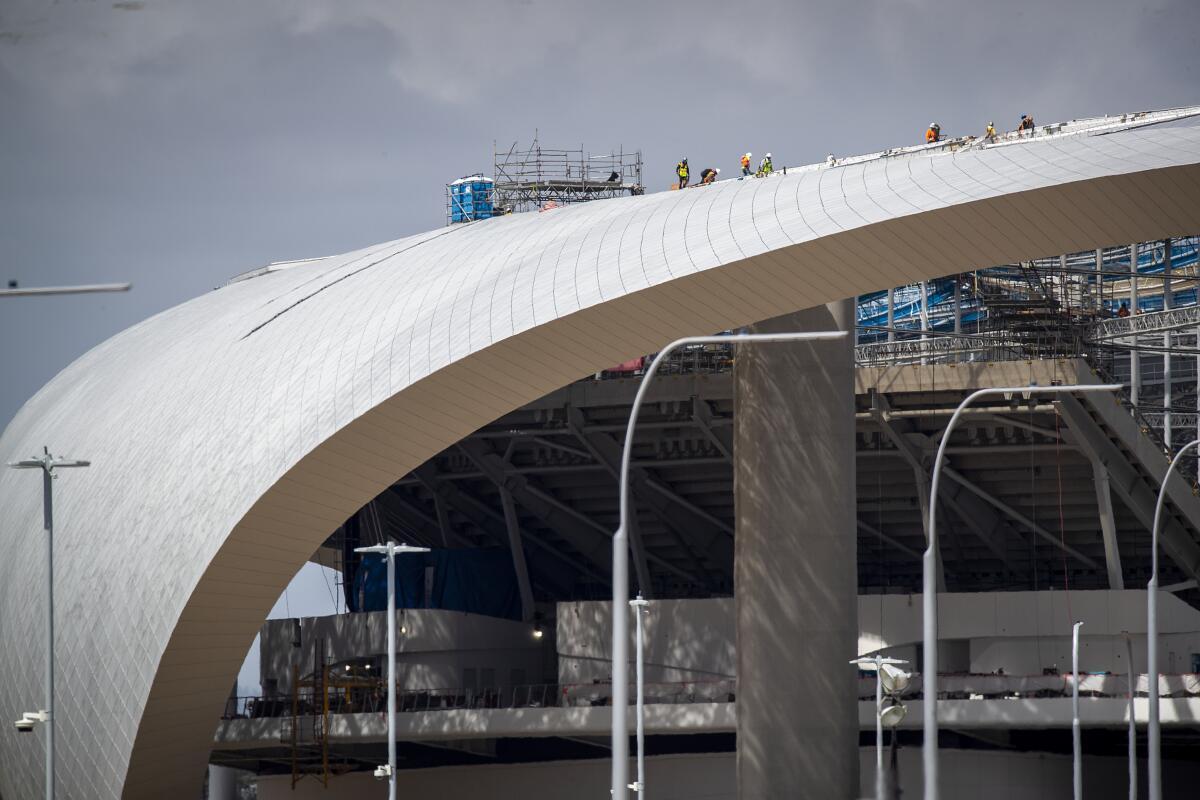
point(479, 581)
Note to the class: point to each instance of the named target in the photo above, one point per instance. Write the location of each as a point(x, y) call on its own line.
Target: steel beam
point(896, 543)
point(592, 547)
point(1108, 525)
point(1125, 478)
point(671, 509)
point(518, 552)
point(485, 518)
point(722, 438)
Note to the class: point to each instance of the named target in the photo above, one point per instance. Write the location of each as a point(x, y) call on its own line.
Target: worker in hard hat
point(681, 169)
point(1026, 124)
point(933, 133)
point(746, 163)
point(708, 174)
point(765, 167)
point(990, 132)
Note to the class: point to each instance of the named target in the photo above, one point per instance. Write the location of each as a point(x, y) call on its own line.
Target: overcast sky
point(175, 143)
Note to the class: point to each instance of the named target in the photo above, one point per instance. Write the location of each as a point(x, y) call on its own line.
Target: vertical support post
point(879, 730)
point(1132, 718)
point(518, 553)
point(891, 314)
point(1076, 737)
point(1168, 303)
point(924, 318)
point(1135, 360)
point(388, 551)
point(639, 610)
point(1108, 525)
point(958, 304)
point(794, 460)
point(51, 721)
point(620, 572)
point(391, 672)
point(1153, 740)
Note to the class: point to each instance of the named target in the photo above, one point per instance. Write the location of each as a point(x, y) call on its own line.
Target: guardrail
point(359, 700)
point(371, 700)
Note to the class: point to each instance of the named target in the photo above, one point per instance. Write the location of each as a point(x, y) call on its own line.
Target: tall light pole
point(640, 609)
point(876, 663)
point(1132, 717)
point(929, 665)
point(48, 464)
point(1153, 734)
point(620, 571)
point(36, 291)
point(390, 550)
point(1076, 733)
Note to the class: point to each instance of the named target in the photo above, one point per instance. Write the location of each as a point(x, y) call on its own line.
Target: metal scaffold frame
point(538, 178)
point(1132, 310)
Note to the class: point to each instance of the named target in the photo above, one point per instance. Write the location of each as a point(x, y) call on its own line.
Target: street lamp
point(48, 464)
point(897, 682)
point(639, 610)
point(1153, 734)
point(1132, 717)
point(929, 674)
point(620, 571)
point(1076, 742)
point(390, 550)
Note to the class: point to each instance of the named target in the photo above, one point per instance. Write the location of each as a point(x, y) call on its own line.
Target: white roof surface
point(229, 435)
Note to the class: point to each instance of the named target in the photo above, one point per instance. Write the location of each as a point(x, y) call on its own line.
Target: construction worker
point(746, 164)
point(1026, 124)
point(681, 169)
point(990, 133)
point(765, 167)
point(708, 175)
point(933, 133)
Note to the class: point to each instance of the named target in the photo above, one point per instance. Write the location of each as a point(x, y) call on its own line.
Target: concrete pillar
point(222, 783)
point(795, 571)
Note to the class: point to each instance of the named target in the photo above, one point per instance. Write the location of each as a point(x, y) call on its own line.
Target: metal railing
point(951, 686)
point(360, 700)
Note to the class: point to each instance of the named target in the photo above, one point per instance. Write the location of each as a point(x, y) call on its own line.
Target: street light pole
point(639, 610)
point(390, 550)
point(620, 571)
point(1153, 733)
point(48, 464)
point(1076, 734)
point(876, 663)
point(1132, 718)
point(929, 653)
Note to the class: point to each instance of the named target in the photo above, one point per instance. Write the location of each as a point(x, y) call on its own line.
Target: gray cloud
point(177, 143)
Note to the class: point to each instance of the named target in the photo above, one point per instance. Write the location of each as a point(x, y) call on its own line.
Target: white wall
point(433, 653)
point(973, 774)
point(1021, 632)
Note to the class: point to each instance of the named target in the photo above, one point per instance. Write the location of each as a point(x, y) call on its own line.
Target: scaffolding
point(1132, 311)
point(538, 179)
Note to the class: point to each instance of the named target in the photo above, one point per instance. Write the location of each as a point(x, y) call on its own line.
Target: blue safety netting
point(872, 308)
point(479, 581)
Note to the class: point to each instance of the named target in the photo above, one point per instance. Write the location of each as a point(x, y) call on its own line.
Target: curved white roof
point(229, 435)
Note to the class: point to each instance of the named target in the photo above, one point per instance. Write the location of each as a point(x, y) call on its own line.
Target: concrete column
point(222, 783)
point(795, 571)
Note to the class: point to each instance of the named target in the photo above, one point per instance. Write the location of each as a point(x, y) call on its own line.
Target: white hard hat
point(749, 154)
point(718, 170)
point(768, 155)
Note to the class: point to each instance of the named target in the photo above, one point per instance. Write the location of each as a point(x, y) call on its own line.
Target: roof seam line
point(283, 311)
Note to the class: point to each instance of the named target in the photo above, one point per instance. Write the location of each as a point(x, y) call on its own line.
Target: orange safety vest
point(930, 135)
point(745, 161)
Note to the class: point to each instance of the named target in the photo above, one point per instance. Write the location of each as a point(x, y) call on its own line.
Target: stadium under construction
point(467, 392)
